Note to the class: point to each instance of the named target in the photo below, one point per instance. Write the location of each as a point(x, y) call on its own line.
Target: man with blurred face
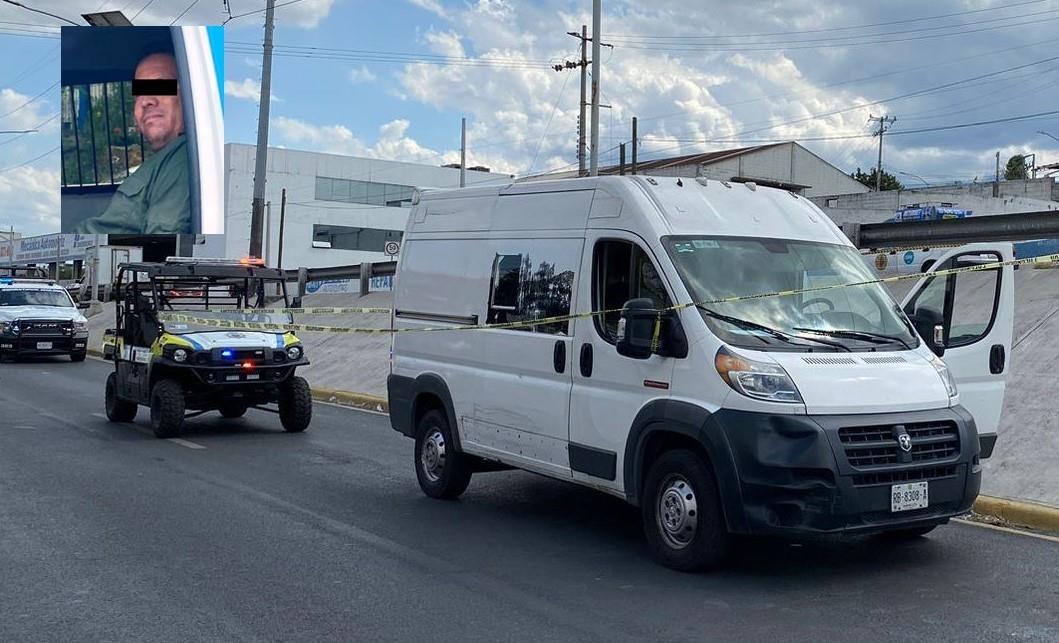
point(155, 199)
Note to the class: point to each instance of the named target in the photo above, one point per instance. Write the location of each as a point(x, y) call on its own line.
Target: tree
point(1015, 170)
point(889, 181)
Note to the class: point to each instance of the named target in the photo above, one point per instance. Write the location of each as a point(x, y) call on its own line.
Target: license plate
point(904, 497)
point(44, 346)
point(252, 377)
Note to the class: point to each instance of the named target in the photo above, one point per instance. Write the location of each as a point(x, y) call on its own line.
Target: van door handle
point(997, 357)
point(586, 360)
point(559, 357)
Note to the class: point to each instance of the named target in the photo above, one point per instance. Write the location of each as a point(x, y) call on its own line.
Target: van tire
point(118, 410)
point(682, 481)
point(167, 409)
point(442, 472)
point(295, 404)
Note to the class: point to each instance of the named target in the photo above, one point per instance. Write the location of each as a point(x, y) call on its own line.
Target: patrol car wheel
point(78, 357)
point(167, 408)
point(681, 511)
point(118, 410)
point(442, 472)
point(233, 410)
point(295, 405)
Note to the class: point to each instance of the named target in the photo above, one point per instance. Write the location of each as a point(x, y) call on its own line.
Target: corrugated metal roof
point(688, 159)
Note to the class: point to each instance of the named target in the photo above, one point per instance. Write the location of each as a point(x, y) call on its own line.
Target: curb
point(1019, 512)
point(355, 400)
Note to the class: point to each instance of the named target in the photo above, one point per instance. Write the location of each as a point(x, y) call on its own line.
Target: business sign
point(346, 286)
point(49, 247)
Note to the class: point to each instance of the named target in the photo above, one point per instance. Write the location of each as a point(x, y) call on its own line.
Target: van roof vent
point(829, 361)
point(884, 359)
point(703, 181)
point(750, 185)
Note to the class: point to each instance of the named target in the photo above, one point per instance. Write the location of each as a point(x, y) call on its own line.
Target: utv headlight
point(759, 380)
point(180, 355)
point(944, 374)
point(294, 352)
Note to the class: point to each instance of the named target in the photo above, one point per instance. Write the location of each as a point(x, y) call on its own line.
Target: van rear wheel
point(681, 511)
point(442, 472)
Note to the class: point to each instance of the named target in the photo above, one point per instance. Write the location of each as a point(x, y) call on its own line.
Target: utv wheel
point(118, 410)
point(295, 405)
point(78, 357)
point(233, 410)
point(681, 511)
point(167, 408)
point(442, 472)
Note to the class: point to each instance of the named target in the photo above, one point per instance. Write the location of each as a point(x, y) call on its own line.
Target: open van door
point(975, 311)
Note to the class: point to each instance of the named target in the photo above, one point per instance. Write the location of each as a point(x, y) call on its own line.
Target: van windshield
point(861, 317)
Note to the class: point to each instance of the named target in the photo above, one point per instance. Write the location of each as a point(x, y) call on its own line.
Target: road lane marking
point(1007, 530)
point(185, 443)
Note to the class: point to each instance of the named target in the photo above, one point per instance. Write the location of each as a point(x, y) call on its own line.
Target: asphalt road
point(243, 532)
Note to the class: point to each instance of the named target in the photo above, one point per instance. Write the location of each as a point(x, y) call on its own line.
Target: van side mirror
point(930, 324)
point(637, 331)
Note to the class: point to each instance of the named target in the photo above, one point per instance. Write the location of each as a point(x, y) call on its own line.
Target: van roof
point(652, 205)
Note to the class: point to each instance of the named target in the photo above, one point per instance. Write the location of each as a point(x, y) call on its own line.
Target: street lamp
point(1040, 131)
point(914, 175)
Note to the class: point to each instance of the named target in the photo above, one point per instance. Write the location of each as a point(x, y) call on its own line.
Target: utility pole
point(883, 121)
point(634, 145)
point(282, 216)
point(261, 152)
point(996, 177)
point(597, 33)
point(581, 117)
point(463, 152)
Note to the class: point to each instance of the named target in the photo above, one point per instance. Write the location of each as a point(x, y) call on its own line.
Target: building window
point(339, 237)
point(100, 140)
point(370, 193)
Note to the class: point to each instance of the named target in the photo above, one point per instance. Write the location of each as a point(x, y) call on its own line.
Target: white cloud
point(361, 75)
point(246, 89)
point(433, 6)
point(31, 199)
point(393, 142)
point(15, 113)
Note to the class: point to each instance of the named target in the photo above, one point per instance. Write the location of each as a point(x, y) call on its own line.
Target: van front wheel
point(442, 472)
point(682, 516)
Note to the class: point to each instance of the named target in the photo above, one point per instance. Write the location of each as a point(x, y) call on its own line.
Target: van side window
point(525, 289)
point(622, 271)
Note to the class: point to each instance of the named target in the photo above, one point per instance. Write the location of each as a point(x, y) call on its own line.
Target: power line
point(142, 9)
point(256, 11)
point(30, 131)
point(50, 15)
point(852, 27)
point(548, 125)
point(25, 163)
point(396, 57)
point(48, 89)
point(337, 50)
point(190, 6)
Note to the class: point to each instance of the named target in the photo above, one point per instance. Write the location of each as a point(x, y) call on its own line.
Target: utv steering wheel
point(819, 300)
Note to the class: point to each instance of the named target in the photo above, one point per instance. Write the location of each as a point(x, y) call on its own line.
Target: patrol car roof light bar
point(245, 261)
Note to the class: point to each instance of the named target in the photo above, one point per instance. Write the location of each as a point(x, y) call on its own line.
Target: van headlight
point(294, 352)
point(759, 380)
point(944, 374)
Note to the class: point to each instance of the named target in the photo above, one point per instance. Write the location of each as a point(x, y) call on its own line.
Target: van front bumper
point(834, 473)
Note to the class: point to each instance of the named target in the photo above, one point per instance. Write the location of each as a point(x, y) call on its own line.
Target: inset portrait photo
point(142, 130)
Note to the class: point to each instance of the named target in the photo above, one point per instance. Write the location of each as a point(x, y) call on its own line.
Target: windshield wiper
point(863, 335)
point(778, 334)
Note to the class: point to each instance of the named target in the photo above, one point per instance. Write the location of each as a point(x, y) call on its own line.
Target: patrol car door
point(975, 310)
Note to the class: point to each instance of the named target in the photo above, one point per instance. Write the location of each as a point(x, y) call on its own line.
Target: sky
point(392, 80)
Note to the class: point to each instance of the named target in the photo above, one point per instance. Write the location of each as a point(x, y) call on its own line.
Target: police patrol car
point(38, 317)
point(187, 341)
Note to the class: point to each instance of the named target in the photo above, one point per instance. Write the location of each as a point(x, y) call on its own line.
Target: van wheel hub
point(433, 458)
point(678, 512)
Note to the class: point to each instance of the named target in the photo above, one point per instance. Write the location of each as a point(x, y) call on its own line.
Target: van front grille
point(907, 475)
point(873, 446)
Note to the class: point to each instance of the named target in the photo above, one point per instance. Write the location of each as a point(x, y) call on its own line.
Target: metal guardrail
point(1020, 226)
point(364, 272)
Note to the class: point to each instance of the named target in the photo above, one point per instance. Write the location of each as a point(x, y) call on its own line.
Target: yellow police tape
point(245, 325)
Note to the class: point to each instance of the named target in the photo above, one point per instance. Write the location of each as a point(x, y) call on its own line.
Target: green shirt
point(155, 199)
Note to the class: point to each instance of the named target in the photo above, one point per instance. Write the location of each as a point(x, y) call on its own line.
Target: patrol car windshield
point(56, 298)
point(824, 313)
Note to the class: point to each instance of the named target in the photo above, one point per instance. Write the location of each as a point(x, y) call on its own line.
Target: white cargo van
point(822, 411)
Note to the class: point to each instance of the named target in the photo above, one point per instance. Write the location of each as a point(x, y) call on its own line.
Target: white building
point(789, 166)
point(340, 209)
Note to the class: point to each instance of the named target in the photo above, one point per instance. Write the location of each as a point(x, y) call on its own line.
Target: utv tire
point(78, 357)
point(295, 405)
point(233, 410)
point(442, 472)
point(682, 516)
point(167, 408)
point(118, 410)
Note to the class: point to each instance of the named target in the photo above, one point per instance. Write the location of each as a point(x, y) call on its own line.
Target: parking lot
point(239, 530)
